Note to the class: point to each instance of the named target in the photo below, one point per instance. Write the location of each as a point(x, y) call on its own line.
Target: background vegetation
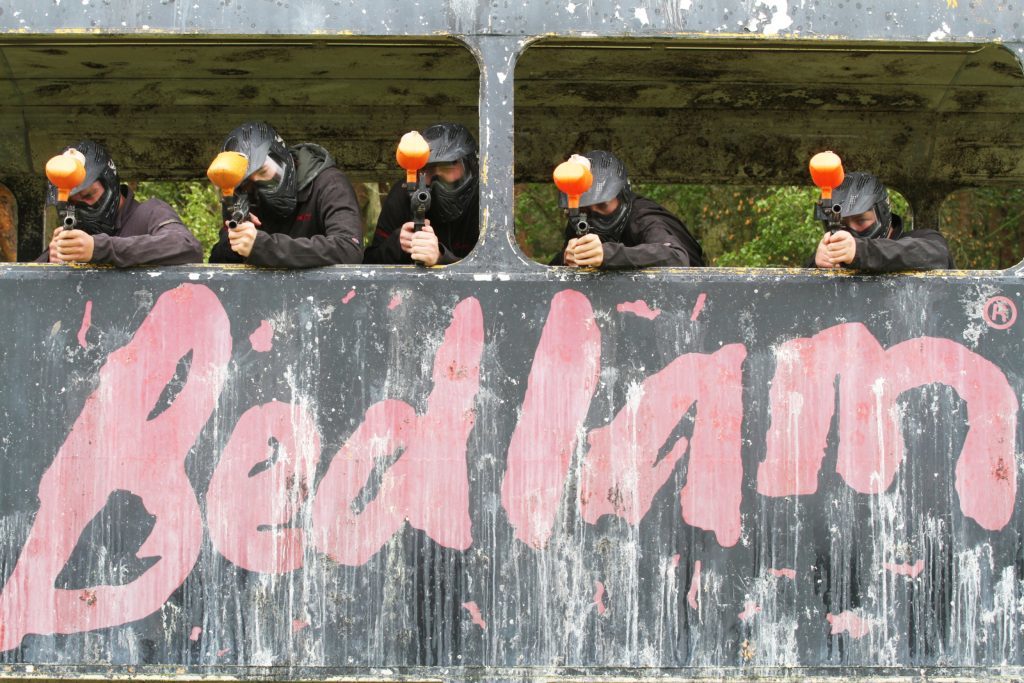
point(737, 226)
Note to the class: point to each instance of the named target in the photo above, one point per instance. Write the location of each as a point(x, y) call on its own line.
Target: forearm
point(617, 255)
point(281, 251)
point(886, 256)
point(386, 248)
point(166, 247)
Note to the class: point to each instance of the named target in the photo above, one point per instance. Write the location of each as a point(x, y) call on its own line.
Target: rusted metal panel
point(8, 225)
point(482, 474)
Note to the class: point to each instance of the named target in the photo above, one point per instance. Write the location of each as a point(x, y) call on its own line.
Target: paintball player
point(452, 222)
point(872, 238)
point(111, 227)
point(302, 210)
point(625, 230)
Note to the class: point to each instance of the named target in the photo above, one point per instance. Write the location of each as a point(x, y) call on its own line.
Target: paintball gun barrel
point(827, 173)
point(226, 172)
point(66, 171)
point(573, 177)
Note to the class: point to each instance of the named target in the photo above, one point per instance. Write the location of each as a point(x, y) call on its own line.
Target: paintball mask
point(101, 215)
point(610, 181)
point(452, 143)
point(270, 176)
point(858, 193)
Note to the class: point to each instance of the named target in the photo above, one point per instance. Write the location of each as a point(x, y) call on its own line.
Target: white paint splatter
point(641, 14)
point(685, 4)
point(502, 76)
point(939, 33)
point(571, 7)
point(780, 20)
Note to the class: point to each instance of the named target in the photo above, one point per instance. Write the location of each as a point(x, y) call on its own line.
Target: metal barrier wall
point(496, 471)
point(496, 475)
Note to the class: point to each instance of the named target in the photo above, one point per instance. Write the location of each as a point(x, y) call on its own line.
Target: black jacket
point(915, 250)
point(455, 239)
point(146, 233)
point(653, 237)
point(325, 229)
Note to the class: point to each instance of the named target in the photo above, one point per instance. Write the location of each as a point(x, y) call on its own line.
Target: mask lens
point(268, 178)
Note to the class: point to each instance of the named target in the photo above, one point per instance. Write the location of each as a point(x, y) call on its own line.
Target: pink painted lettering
point(905, 568)
point(262, 340)
point(849, 622)
point(599, 597)
point(86, 324)
point(622, 472)
point(693, 595)
point(249, 513)
point(117, 444)
point(639, 308)
point(428, 484)
point(870, 441)
point(475, 614)
point(564, 376)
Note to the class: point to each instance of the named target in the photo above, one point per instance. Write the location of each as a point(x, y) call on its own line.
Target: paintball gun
point(412, 155)
point(66, 171)
point(226, 172)
point(827, 173)
point(573, 177)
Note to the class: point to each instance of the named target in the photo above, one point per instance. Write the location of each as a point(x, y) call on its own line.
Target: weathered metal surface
point(346, 470)
point(496, 471)
point(8, 225)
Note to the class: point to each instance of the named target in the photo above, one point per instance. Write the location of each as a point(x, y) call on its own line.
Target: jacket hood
point(310, 161)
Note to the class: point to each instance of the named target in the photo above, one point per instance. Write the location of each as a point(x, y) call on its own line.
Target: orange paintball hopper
point(827, 172)
point(228, 171)
point(573, 177)
point(412, 154)
point(66, 171)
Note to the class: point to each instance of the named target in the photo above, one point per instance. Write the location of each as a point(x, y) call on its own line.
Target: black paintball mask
point(610, 181)
point(452, 143)
point(276, 188)
point(861, 192)
point(101, 216)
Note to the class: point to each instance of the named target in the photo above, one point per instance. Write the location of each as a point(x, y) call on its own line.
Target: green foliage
point(540, 224)
point(786, 232)
point(984, 227)
point(196, 202)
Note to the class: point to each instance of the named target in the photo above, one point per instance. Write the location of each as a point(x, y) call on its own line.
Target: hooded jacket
point(915, 250)
point(325, 229)
point(145, 233)
point(653, 237)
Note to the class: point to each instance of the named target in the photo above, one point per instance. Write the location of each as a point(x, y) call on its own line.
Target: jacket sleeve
point(341, 242)
point(660, 244)
point(221, 252)
point(385, 247)
point(916, 250)
point(169, 243)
